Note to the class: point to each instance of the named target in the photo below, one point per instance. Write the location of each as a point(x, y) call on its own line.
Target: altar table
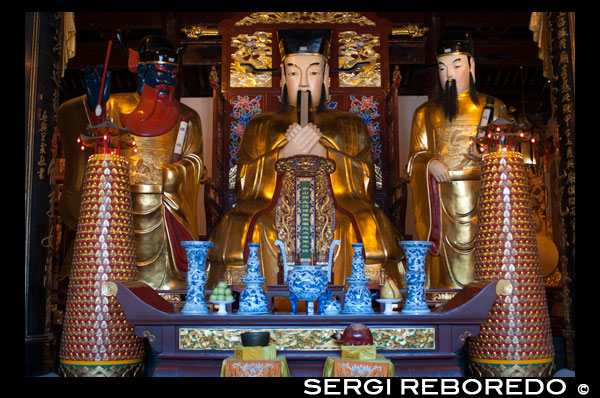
point(197, 345)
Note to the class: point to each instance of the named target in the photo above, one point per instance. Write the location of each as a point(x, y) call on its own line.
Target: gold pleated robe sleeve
point(72, 121)
point(253, 220)
point(164, 194)
point(447, 213)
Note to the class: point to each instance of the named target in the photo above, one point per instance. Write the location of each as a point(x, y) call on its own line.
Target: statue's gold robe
point(446, 213)
point(164, 194)
point(252, 220)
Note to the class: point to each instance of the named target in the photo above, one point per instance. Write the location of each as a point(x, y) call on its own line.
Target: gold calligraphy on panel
point(315, 171)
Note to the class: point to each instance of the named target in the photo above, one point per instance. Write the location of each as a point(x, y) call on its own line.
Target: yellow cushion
point(359, 352)
point(269, 352)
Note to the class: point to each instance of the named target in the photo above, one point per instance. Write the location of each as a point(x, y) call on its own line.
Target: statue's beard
point(156, 112)
point(448, 97)
point(299, 105)
point(285, 101)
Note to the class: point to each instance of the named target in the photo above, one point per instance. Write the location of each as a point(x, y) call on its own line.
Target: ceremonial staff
point(99, 105)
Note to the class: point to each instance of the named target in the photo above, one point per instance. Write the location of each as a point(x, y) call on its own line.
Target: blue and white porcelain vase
point(357, 298)
point(197, 251)
point(415, 252)
point(253, 299)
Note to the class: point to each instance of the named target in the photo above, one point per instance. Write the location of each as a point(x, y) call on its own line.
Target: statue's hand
point(302, 141)
point(292, 131)
point(93, 81)
point(439, 171)
point(473, 153)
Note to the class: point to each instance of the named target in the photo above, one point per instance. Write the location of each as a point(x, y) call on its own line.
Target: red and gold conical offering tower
point(96, 339)
point(516, 341)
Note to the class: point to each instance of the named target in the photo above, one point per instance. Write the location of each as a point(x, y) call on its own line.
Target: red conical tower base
point(516, 340)
point(96, 340)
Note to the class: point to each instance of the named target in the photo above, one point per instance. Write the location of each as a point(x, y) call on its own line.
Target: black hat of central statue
point(455, 43)
point(304, 41)
point(157, 49)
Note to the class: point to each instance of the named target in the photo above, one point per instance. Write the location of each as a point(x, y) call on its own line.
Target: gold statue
point(340, 136)
point(444, 166)
point(165, 171)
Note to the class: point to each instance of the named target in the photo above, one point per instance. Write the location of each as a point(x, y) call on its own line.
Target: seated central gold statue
point(336, 135)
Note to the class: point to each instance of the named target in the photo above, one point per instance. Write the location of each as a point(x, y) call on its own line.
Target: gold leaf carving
point(355, 48)
point(305, 17)
point(316, 170)
point(195, 338)
point(254, 49)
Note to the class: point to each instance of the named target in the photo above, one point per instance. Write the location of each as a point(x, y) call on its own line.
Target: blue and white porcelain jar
point(253, 299)
point(357, 298)
point(331, 307)
point(307, 282)
point(415, 252)
point(195, 302)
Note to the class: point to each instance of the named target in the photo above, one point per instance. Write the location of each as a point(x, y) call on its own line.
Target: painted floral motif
point(253, 368)
point(361, 369)
point(244, 108)
point(367, 109)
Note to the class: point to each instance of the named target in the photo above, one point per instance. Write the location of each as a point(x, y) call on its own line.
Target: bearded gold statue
point(444, 166)
point(340, 136)
point(165, 171)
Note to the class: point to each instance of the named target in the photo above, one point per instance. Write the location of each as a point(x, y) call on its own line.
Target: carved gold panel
point(407, 338)
point(254, 49)
point(334, 17)
point(317, 223)
point(355, 48)
point(410, 30)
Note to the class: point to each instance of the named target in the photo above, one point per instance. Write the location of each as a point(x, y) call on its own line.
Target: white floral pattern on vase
point(415, 252)
point(357, 298)
point(195, 302)
point(253, 299)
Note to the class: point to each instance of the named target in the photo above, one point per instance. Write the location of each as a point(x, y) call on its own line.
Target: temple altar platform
point(196, 345)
